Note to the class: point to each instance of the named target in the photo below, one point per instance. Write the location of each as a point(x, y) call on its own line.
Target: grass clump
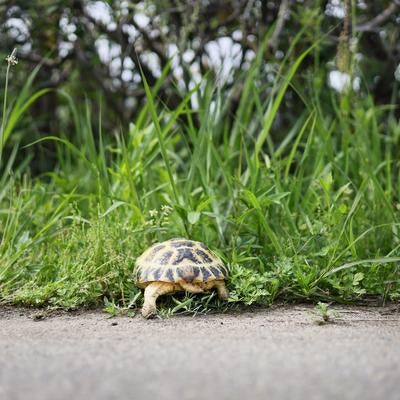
point(310, 216)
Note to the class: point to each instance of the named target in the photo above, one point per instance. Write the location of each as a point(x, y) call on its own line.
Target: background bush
point(94, 50)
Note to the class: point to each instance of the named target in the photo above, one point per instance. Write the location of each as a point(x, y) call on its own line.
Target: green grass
point(310, 216)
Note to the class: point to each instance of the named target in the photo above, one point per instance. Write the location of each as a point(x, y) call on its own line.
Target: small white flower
point(11, 59)
point(340, 81)
point(153, 213)
point(166, 209)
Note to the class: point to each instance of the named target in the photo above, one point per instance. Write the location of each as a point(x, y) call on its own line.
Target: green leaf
point(193, 217)
point(358, 277)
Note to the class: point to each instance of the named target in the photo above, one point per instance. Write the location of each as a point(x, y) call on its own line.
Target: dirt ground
point(277, 353)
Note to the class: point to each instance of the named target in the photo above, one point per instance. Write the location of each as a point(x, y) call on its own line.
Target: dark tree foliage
point(97, 50)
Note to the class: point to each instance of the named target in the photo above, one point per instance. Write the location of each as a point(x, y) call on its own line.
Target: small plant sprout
point(114, 310)
point(324, 313)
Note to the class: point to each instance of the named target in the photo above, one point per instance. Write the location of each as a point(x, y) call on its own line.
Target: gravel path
point(271, 354)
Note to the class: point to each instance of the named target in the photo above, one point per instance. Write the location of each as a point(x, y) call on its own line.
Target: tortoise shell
point(179, 260)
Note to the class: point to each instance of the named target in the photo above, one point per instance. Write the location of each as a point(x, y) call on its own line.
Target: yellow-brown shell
point(179, 260)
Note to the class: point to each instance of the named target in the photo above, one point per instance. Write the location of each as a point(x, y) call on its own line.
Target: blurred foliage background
point(95, 51)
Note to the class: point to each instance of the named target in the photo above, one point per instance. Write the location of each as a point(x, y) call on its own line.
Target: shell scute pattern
point(156, 274)
point(181, 242)
point(179, 259)
point(189, 274)
point(165, 257)
point(203, 256)
point(203, 246)
point(184, 253)
point(154, 250)
point(223, 269)
point(217, 273)
point(169, 275)
point(206, 274)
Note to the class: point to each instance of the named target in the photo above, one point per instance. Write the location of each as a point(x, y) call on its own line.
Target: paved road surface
point(270, 354)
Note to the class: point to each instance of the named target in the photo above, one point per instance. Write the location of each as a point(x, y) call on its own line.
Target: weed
point(324, 313)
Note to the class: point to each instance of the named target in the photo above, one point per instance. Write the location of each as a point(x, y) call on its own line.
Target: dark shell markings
point(179, 259)
point(185, 254)
point(165, 257)
point(204, 256)
point(189, 274)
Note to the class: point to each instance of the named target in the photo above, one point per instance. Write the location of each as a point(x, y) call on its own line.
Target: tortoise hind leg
point(151, 293)
point(222, 291)
point(191, 287)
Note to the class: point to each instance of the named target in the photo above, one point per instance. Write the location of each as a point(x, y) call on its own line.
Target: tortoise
point(178, 265)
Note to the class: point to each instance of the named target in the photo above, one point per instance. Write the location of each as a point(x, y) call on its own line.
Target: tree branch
point(151, 43)
point(37, 58)
point(381, 18)
point(283, 14)
point(119, 36)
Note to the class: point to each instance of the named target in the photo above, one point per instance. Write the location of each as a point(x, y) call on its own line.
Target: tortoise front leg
point(151, 293)
point(222, 291)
